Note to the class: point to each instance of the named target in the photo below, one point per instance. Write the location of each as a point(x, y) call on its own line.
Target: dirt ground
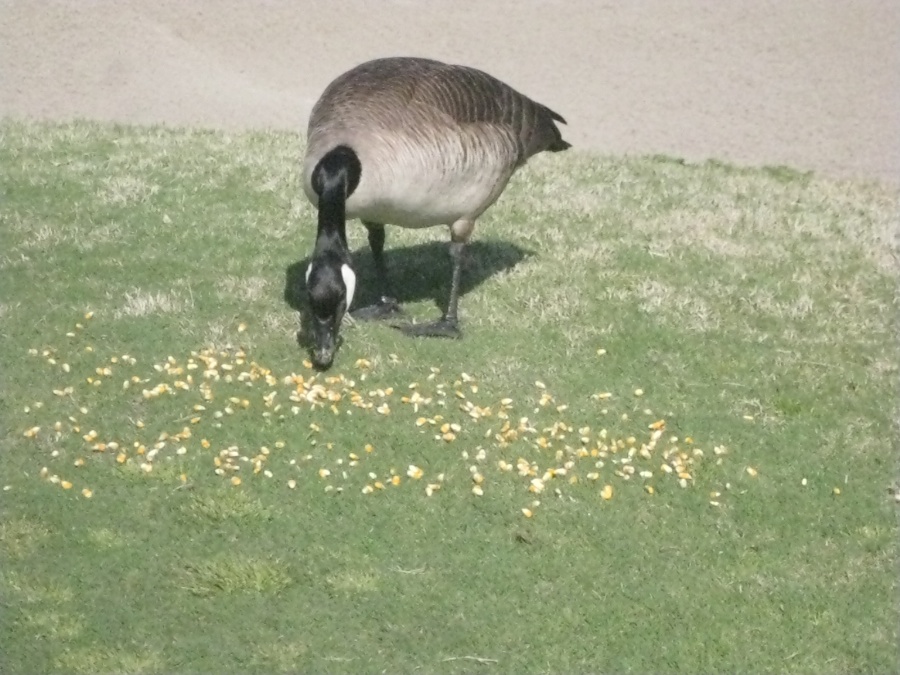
point(810, 83)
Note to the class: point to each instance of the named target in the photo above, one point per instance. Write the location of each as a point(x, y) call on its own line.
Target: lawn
point(666, 442)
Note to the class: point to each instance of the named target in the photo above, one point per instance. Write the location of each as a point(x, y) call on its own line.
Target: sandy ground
point(808, 83)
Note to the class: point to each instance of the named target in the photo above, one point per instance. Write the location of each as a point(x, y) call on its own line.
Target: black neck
point(332, 218)
point(334, 179)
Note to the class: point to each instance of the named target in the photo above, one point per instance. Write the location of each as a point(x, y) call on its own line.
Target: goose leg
point(448, 325)
point(385, 307)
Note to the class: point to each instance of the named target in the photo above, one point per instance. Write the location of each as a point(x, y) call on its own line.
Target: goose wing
point(422, 94)
point(471, 97)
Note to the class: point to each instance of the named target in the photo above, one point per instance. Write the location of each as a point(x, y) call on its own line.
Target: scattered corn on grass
point(551, 449)
point(166, 437)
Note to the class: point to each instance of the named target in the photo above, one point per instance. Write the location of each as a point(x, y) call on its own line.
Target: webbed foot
point(385, 308)
point(443, 327)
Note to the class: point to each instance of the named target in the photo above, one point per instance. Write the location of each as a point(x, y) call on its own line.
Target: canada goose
point(415, 143)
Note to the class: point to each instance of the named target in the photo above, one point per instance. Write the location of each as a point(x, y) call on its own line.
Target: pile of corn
point(526, 438)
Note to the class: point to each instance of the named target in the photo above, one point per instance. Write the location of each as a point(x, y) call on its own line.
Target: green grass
point(755, 309)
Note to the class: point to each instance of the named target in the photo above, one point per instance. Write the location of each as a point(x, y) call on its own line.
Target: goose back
point(436, 142)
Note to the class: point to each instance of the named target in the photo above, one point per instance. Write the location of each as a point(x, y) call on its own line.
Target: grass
point(676, 397)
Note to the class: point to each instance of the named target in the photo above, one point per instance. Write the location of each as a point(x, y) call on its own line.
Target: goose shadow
point(415, 273)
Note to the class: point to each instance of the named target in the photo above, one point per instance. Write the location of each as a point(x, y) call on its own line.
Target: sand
point(813, 84)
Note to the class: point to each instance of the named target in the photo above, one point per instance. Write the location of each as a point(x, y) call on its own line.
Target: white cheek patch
point(349, 282)
point(308, 272)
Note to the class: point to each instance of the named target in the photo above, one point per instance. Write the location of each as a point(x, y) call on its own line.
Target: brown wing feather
point(462, 95)
point(470, 96)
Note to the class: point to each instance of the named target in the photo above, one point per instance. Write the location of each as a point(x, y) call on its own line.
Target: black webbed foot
point(443, 327)
point(385, 308)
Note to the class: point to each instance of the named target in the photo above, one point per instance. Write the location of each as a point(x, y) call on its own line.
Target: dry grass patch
point(353, 582)
point(92, 660)
point(125, 190)
point(29, 590)
point(141, 302)
point(107, 538)
point(228, 505)
point(20, 536)
point(245, 289)
point(233, 574)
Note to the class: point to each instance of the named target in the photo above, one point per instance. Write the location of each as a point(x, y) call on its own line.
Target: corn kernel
point(607, 492)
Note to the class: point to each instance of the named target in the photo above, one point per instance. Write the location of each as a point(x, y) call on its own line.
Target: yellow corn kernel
point(87, 493)
point(607, 492)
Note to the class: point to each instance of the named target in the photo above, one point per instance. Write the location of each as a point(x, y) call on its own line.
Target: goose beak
point(326, 340)
point(325, 345)
point(323, 358)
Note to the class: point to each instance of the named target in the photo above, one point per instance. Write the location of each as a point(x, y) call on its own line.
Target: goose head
point(330, 284)
point(330, 280)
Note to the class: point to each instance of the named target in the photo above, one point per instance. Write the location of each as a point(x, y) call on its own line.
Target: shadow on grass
point(415, 273)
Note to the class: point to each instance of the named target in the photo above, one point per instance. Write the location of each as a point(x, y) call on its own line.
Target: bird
point(412, 142)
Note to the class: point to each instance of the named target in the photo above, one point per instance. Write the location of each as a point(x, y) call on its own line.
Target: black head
point(330, 283)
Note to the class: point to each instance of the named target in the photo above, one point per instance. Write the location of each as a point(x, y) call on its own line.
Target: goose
point(416, 143)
